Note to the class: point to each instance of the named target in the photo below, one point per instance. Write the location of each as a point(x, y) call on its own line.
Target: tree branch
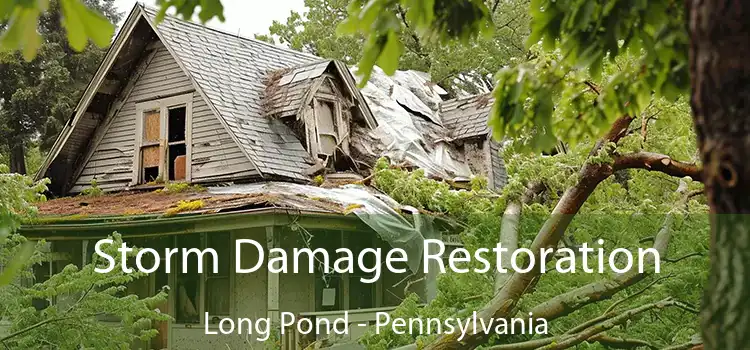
point(592, 86)
point(569, 340)
point(621, 343)
point(509, 229)
point(504, 303)
point(42, 323)
point(683, 257)
point(657, 162)
point(567, 303)
point(605, 326)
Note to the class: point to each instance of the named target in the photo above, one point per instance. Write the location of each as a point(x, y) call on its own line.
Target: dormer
point(321, 103)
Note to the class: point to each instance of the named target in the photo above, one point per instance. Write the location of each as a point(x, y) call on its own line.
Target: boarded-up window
point(163, 148)
point(150, 148)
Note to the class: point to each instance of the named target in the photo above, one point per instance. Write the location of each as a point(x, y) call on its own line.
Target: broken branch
point(509, 229)
point(621, 343)
point(683, 257)
point(657, 162)
point(567, 303)
point(503, 304)
point(569, 340)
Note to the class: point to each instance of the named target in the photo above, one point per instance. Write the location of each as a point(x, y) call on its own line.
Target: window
point(196, 294)
point(326, 125)
point(327, 129)
point(361, 295)
point(334, 291)
point(163, 140)
point(187, 286)
point(217, 284)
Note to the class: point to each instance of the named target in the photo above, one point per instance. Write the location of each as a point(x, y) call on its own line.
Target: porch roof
point(233, 207)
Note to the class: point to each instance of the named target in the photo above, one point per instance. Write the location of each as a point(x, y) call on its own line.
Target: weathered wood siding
point(499, 175)
point(216, 157)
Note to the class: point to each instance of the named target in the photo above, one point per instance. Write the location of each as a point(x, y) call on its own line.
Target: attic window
point(327, 135)
point(162, 140)
point(326, 128)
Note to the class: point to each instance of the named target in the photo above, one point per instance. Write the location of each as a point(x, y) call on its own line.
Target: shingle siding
point(467, 117)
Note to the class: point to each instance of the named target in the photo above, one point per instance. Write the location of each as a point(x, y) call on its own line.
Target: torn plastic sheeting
point(375, 210)
point(407, 99)
point(396, 131)
point(400, 147)
point(420, 88)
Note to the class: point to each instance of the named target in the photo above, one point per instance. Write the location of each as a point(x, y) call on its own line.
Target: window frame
point(201, 304)
point(343, 292)
point(163, 106)
point(342, 133)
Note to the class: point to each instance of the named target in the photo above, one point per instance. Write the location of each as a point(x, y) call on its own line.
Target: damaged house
point(280, 141)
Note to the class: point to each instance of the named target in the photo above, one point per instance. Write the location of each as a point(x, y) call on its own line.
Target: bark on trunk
point(720, 78)
point(17, 158)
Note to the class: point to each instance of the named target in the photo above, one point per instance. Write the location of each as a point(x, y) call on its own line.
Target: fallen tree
point(509, 296)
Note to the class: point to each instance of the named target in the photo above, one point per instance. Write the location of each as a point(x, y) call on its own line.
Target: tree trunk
point(720, 78)
point(17, 158)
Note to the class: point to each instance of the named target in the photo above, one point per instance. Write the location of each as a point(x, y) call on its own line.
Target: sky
point(244, 17)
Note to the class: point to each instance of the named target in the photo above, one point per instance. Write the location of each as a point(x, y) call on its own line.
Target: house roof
point(467, 117)
point(286, 88)
point(230, 71)
point(248, 83)
point(158, 202)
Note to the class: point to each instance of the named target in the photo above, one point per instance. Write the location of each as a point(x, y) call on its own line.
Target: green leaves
point(82, 24)
point(19, 261)
point(21, 33)
point(381, 22)
point(186, 9)
point(17, 193)
point(588, 32)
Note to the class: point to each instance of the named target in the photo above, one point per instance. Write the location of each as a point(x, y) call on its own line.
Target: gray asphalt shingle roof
point(232, 72)
point(467, 117)
point(285, 94)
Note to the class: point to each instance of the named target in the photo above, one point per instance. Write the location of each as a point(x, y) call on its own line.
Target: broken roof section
point(378, 211)
point(410, 127)
point(467, 117)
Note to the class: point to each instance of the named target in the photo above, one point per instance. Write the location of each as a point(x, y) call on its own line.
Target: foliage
point(180, 187)
point(80, 22)
point(93, 191)
point(75, 299)
point(454, 66)
point(38, 95)
point(319, 180)
point(18, 193)
point(438, 20)
point(186, 8)
point(184, 206)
